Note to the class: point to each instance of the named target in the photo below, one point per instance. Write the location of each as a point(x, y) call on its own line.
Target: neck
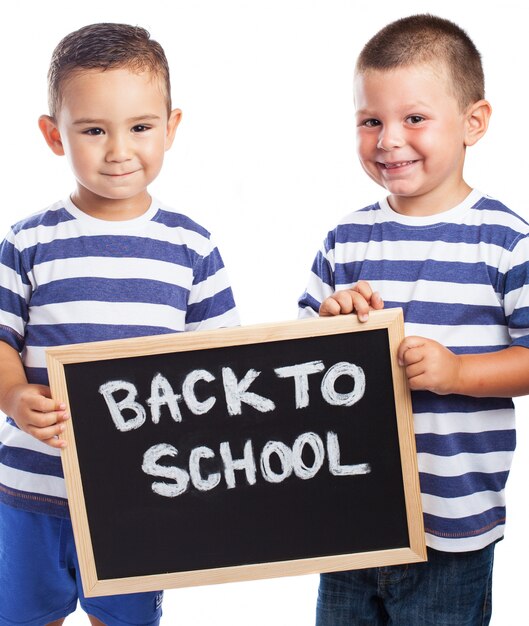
point(436, 201)
point(111, 209)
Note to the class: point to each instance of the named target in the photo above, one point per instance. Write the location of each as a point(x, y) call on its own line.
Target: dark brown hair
point(105, 46)
point(427, 39)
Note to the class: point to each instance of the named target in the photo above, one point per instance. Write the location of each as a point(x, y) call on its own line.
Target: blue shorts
point(40, 581)
point(452, 589)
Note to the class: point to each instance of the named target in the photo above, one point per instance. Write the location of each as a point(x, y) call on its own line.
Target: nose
point(390, 137)
point(118, 148)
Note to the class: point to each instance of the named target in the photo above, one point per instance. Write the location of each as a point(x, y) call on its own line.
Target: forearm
point(502, 374)
point(11, 375)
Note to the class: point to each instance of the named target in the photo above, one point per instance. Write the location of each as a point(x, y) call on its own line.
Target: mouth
point(395, 166)
point(118, 174)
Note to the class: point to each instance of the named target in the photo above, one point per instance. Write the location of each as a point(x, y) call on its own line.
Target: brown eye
point(94, 132)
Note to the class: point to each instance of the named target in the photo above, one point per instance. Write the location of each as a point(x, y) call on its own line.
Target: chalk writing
point(290, 461)
point(275, 462)
point(236, 393)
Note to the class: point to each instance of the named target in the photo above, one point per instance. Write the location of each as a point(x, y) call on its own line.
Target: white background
point(265, 159)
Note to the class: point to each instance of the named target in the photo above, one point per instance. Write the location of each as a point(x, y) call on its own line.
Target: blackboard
point(234, 454)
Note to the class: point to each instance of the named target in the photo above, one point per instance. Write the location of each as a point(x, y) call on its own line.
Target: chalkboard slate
point(239, 453)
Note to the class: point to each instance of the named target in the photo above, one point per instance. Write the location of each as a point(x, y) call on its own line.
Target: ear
point(172, 124)
point(477, 118)
point(48, 127)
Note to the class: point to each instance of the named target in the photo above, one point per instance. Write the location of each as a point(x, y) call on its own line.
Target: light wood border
point(392, 319)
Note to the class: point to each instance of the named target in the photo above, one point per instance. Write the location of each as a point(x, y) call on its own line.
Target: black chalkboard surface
point(239, 453)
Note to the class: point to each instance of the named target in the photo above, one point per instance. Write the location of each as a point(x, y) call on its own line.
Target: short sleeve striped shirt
point(462, 279)
point(66, 277)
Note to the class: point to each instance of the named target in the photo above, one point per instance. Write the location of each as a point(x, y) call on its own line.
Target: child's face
point(114, 128)
point(411, 137)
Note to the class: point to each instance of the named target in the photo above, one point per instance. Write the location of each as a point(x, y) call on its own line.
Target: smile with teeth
point(393, 166)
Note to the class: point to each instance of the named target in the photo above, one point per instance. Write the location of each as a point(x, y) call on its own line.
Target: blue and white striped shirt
point(462, 279)
point(65, 278)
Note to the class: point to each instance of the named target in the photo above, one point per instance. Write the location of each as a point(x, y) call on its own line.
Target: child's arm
point(432, 367)
point(30, 406)
point(360, 300)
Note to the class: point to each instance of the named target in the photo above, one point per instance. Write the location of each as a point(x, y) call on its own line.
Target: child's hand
point(361, 299)
point(429, 365)
point(34, 412)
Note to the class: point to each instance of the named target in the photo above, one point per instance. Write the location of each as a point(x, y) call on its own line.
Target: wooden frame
point(391, 319)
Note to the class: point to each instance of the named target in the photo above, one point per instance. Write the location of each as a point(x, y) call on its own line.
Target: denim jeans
point(451, 589)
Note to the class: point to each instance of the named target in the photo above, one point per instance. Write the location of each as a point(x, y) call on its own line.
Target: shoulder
point(172, 219)
point(490, 210)
point(50, 217)
point(355, 226)
point(499, 224)
point(180, 229)
point(48, 225)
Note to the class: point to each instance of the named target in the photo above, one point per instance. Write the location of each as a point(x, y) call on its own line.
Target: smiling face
point(411, 137)
point(114, 128)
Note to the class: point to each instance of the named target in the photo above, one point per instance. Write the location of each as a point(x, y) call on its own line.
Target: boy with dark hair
point(107, 262)
point(457, 262)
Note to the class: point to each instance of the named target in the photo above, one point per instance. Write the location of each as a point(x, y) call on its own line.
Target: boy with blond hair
point(107, 262)
point(457, 262)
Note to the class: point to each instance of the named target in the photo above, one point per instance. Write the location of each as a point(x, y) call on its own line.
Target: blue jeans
point(451, 589)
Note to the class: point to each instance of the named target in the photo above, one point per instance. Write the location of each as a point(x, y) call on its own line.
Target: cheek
point(153, 152)
point(79, 156)
point(441, 151)
point(79, 160)
point(365, 145)
point(439, 141)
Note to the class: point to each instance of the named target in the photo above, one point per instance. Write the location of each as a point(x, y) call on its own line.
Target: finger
point(343, 303)
point(370, 296)
point(415, 369)
point(364, 288)
point(407, 344)
point(56, 442)
point(345, 300)
point(41, 404)
point(413, 356)
point(45, 420)
point(376, 301)
point(359, 304)
point(329, 307)
point(420, 379)
point(48, 433)
point(417, 383)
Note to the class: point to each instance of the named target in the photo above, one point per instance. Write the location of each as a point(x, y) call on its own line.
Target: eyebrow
point(405, 106)
point(89, 120)
point(363, 112)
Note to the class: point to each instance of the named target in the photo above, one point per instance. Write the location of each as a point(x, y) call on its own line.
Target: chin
point(403, 191)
